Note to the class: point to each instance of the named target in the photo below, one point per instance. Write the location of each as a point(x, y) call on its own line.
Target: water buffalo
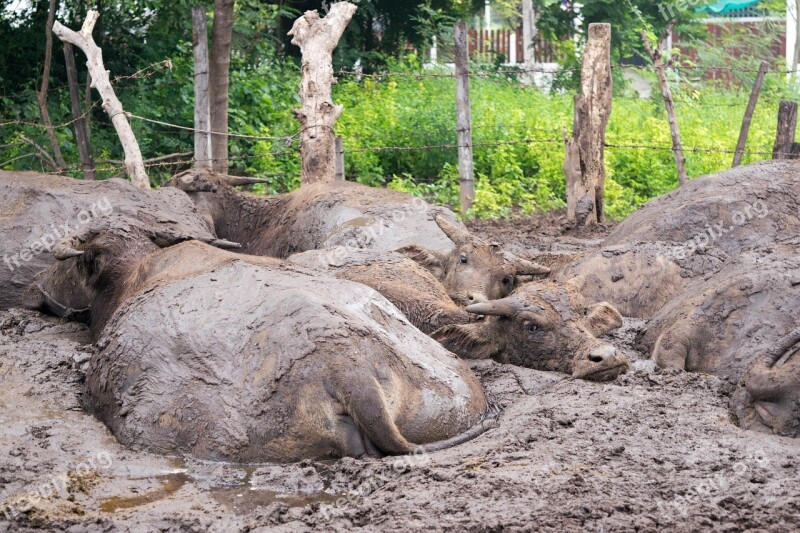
point(692, 232)
point(768, 397)
point(239, 358)
point(349, 216)
point(36, 210)
point(411, 288)
point(740, 324)
point(543, 325)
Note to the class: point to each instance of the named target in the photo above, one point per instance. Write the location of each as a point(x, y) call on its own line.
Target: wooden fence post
point(657, 55)
point(317, 38)
point(528, 31)
point(748, 114)
point(80, 126)
point(134, 165)
point(785, 147)
point(466, 173)
point(202, 108)
point(584, 166)
point(339, 159)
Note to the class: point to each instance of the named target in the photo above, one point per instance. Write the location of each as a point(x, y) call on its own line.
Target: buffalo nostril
point(602, 354)
point(476, 298)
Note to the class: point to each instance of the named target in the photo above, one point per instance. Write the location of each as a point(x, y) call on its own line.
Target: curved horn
point(529, 268)
point(241, 180)
point(224, 244)
point(66, 246)
point(506, 307)
point(62, 251)
point(167, 238)
point(454, 231)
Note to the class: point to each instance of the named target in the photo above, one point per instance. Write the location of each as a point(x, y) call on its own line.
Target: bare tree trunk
point(466, 171)
point(202, 112)
point(41, 96)
point(657, 55)
point(317, 38)
point(796, 52)
point(79, 124)
point(87, 105)
point(100, 76)
point(219, 81)
point(748, 114)
point(586, 188)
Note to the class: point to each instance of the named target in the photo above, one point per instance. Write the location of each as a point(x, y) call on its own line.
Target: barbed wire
point(16, 122)
point(142, 74)
point(343, 73)
point(285, 138)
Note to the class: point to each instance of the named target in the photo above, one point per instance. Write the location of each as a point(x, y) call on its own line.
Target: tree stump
point(584, 165)
point(317, 38)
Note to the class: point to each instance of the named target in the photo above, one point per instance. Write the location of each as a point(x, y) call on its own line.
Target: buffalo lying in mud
point(713, 267)
point(345, 216)
point(691, 233)
point(36, 210)
point(543, 325)
point(241, 358)
point(411, 288)
point(740, 324)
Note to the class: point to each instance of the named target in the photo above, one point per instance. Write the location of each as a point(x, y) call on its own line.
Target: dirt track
point(650, 451)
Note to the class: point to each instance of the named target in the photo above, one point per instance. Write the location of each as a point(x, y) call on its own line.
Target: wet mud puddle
point(241, 489)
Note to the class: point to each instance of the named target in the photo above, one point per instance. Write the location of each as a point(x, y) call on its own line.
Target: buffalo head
point(543, 325)
point(96, 260)
point(768, 398)
point(474, 271)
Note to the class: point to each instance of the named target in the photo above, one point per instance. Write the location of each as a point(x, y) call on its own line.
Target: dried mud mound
point(650, 451)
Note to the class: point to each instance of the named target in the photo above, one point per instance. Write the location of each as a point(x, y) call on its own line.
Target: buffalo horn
point(454, 232)
point(506, 307)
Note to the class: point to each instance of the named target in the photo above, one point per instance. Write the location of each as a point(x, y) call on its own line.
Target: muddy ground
point(650, 451)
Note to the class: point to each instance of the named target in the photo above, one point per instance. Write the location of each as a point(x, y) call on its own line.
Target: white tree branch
point(134, 164)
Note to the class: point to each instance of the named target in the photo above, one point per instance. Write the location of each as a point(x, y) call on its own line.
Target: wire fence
point(288, 145)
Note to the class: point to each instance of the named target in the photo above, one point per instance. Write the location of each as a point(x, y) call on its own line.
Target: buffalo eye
point(463, 259)
point(530, 327)
point(508, 280)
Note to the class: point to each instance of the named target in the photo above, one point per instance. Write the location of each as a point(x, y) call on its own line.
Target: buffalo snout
point(601, 363)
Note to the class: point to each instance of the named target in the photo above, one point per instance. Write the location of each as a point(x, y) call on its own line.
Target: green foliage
point(526, 175)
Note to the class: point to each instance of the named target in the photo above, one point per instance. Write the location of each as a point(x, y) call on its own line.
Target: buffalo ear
point(466, 340)
point(194, 180)
point(602, 318)
point(576, 283)
point(426, 258)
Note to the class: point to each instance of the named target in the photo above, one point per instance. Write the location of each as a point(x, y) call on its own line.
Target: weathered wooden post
point(528, 31)
point(202, 107)
point(317, 38)
point(134, 165)
point(785, 147)
point(748, 114)
point(657, 55)
point(584, 166)
point(80, 126)
point(466, 172)
point(339, 158)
